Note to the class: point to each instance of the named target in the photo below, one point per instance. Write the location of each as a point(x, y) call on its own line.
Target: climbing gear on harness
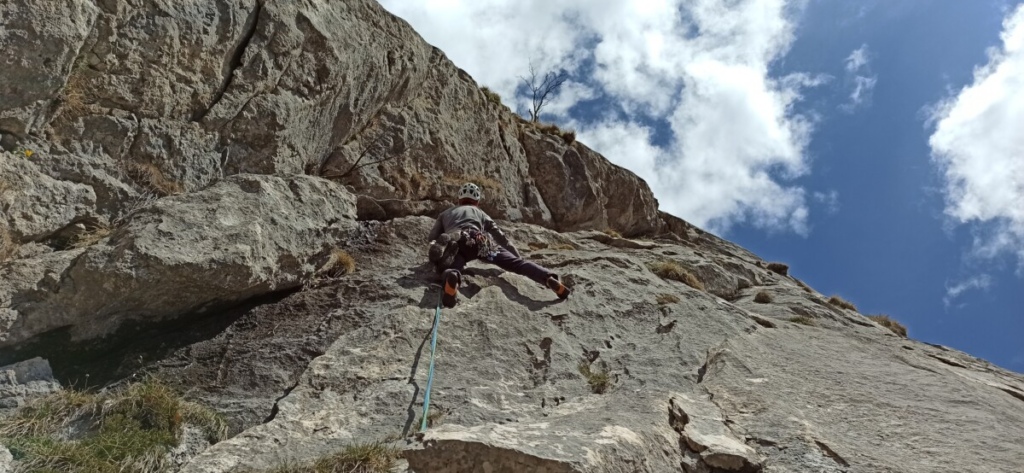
point(442, 251)
point(450, 292)
point(470, 191)
point(560, 289)
point(430, 372)
point(486, 247)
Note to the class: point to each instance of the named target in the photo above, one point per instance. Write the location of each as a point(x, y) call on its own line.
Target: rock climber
point(464, 233)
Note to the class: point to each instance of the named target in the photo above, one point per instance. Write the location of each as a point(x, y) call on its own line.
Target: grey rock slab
point(20, 382)
point(35, 205)
point(195, 92)
point(508, 355)
point(703, 428)
point(585, 191)
point(6, 460)
point(40, 41)
point(245, 236)
point(29, 281)
point(825, 400)
point(163, 59)
point(628, 434)
point(300, 91)
point(756, 393)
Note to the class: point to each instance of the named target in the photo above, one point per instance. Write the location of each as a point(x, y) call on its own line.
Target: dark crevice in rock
point(665, 328)
point(504, 144)
point(677, 418)
point(100, 362)
point(762, 442)
point(275, 409)
point(914, 364)
point(249, 31)
point(827, 451)
point(1017, 394)
point(763, 322)
point(948, 361)
point(701, 372)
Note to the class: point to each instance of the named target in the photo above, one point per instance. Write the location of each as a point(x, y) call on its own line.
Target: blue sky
point(871, 145)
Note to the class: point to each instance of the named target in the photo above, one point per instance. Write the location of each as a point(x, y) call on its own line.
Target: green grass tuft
point(491, 95)
point(130, 429)
point(599, 382)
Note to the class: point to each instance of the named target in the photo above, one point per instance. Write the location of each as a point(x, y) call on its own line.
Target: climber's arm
point(500, 237)
point(436, 231)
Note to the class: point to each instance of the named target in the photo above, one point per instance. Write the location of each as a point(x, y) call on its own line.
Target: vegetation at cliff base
point(130, 429)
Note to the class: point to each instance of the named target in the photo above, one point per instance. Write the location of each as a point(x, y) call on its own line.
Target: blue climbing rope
point(430, 372)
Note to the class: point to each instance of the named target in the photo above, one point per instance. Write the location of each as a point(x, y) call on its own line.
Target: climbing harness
point(430, 372)
point(484, 244)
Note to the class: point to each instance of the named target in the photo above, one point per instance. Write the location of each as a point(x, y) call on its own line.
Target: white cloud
point(978, 146)
point(980, 282)
point(863, 84)
point(697, 70)
point(857, 59)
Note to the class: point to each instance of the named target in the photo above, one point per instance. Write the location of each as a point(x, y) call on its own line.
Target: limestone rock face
point(40, 41)
point(242, 237)
point(21, 382)
point(37, 205)
point(178, 177)
point(695, 382)
point(145, 109)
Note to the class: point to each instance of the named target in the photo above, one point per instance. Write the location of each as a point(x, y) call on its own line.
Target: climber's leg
point(451, 279)
point(509, 262)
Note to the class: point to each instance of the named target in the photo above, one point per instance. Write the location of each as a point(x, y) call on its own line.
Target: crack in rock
point(948, 361)
point(828, 452)
point(1017, 394)
point(235, 61)
point(276, 409)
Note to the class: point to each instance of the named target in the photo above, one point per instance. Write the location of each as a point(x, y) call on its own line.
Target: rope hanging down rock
point(430, 372)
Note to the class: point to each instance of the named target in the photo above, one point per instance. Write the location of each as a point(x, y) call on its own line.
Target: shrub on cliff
point(373, 457)
point(889, 323)
point(840, 302)
point(491, 95)
point(669, 269)
point(779, 268)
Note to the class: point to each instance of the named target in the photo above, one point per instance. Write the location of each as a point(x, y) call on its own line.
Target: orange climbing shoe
point(451, 288)
point(560, 290)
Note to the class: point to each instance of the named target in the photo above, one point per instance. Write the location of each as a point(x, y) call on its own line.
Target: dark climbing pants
point(504, 260)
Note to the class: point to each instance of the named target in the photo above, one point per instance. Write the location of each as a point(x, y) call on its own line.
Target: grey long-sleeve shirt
point(464, 217)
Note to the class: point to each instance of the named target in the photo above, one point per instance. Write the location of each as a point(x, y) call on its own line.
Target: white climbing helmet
point(470, 191)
